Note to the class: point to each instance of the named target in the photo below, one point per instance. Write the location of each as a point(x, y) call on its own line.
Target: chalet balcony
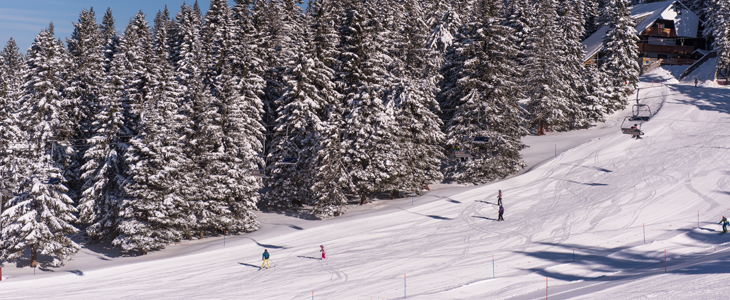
point(684, 50)
point(663, 32)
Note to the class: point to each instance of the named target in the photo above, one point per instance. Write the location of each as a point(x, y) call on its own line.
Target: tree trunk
point(363, 199)
point(33, 256)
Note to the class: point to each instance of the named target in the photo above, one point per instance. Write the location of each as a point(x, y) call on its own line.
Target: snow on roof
point(686, 23)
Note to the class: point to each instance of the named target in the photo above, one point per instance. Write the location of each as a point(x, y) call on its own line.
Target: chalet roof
point(686, 23)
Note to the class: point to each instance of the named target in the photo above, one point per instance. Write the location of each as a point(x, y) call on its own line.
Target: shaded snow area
point(593, 216)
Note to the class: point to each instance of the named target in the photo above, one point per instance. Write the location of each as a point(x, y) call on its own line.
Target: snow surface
point(595, 192)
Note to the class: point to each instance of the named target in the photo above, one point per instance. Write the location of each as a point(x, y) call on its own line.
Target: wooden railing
point(666, 49)
point(697, 64)
point(665, 32)
point(678, 61)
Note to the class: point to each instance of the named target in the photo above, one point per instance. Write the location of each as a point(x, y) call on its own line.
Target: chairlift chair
point(462, 154)
point(288, 161)
point(480, 140)
point(258, 173)
point(627, 128)
point(641, 112)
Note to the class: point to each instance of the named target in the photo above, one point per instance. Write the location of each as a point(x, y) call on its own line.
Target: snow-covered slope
point(578, 219)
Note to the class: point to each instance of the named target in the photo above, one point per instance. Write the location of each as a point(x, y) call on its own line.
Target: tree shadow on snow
point(705, 98)
point(268, 245)
point(633, 262)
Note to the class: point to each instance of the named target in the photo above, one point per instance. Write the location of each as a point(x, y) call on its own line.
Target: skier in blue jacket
point(265, 258)
point(724, 224)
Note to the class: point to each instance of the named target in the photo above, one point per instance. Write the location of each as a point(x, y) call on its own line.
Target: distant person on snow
point(724, 224)
point(499, 198)
point(324, 254)
point(696, 81)
point(501, 212)
point(265, 258)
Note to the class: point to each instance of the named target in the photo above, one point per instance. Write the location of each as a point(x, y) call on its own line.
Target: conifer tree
point(717, 29)
point(13, 70)
point(619, 59)
point(369, 124)
point(85, 86)
point(110, 38)
point(548, 79)
point(154, 212)
point(329, 174)
point(41, 216)
point(487, 106)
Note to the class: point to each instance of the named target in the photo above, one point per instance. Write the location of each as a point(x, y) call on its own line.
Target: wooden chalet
point(669, 34)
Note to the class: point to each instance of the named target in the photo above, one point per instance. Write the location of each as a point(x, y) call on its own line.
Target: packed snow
point(590, 218)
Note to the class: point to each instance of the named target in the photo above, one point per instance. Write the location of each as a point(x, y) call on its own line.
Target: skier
point(324, 254)
point(499, 198)
point(265, 258)
point(724, 224)
point(501, 212)
point(696, 81)
point(636, 133)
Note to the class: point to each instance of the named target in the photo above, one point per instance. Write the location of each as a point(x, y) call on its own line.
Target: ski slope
point(593, 216)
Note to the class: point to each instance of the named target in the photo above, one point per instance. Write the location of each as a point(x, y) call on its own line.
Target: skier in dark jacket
point(501, 212)
point(724, 224)
point(265, 258)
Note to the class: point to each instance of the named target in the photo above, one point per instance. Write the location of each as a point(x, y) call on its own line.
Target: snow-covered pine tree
point(85, 85)
point(110, 38)
point(370, 126)
point(413, 64)
point(302, 112)
point(620, 54)
point(592, 16)
point(189, 60)
point(231, 135)
point(13, 70)
point(154, 212)
point(548, 80)
point(41, 217)
point(444, 23)
point(231, 132)
point(135, 58)
point(329, 174)
point(717, 29)
point(487, 106)
point(584, 110)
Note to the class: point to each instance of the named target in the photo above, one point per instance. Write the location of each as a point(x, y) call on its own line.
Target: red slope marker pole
point(404, 285)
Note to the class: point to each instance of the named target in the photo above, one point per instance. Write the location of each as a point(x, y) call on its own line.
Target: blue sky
point(24, 19)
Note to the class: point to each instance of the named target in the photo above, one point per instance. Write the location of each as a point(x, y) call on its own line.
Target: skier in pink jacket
point(324, 254)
